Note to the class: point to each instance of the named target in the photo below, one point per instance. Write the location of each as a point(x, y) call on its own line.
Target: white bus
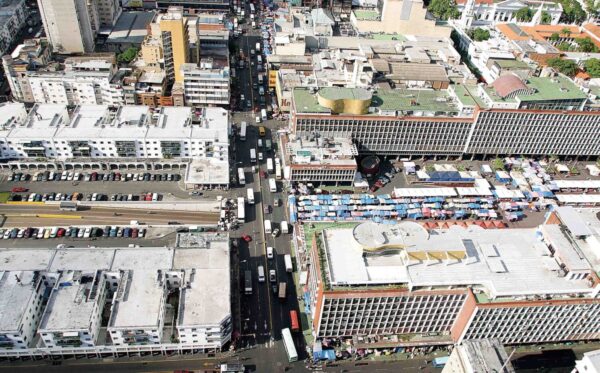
point(272, 186)
point(241, 210)
point(258, 45)
point(277, 171)
point(287, 258)
point(241, 176)
point(253, 155)
point(267, 226)
point(288, 342)
point(263, 113)
point(243, 131)
point(250, 195)
point(252, 10)
point(284, 227)
point(270, 165)
point(261, 274)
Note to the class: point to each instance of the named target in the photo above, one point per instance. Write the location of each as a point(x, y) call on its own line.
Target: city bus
point(277, 170)
point(247, 282)
point(288, 342)
point(243, 131)
point(295, 325)
point(261, 274)
point(250, 195)
point(241, 176)
point(270, 165)
point(289, 267)
point(241, 210)
point(252, 10)
point(253, 155)
point(272, 186)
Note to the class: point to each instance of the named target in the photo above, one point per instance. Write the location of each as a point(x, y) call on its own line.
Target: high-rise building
point(69, 24)
point(108, 12)
point(175, 39)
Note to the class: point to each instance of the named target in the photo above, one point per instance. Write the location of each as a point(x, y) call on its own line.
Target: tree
point(566, 31)
point(127, 56)
point(564, 46)
point(555, 37)
point(443, 9)
point(524, 14)
point(546, 18)
point(592, 67)
point(586, 45)
point(572, 12)
point(479, 34)
point(566, 67)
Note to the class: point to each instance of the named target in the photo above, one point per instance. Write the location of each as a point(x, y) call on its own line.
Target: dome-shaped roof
point(507, 84)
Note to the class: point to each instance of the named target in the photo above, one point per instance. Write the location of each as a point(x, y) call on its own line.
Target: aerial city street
point(300, 186)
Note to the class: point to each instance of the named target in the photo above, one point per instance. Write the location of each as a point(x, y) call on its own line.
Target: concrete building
point(129, 132)
point(25, 58)
point(486, 355)
point(73, 314)
point(589, 363)
point(207, 84)
point(404, 17)
point(207, 5)
point(319, 160)
point(487, 12)
point(108, 12)
point(454, 122)
point(175, 42)
point(206, 274)
point(450, 285)
point(70, 25)
point(21, 308)
point(138, 308)
point(131, 283)
point(13, 15)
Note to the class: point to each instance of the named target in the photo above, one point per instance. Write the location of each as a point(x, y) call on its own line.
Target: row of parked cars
point(73, 232)
point(93, 176)
point(38, 197)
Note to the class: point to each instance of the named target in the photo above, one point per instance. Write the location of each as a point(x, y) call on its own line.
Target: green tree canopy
point(127, 56)
point(586, 45)
point(555, 36)
point(524, 14)
point(443, 9)
point(566, 67)
point(479, 34)
point(592, 67)
point(564, 46)
point(546, 18)
point(572, 12)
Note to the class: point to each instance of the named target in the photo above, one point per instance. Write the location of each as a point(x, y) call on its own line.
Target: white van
point(261, 274)
point(267, 226)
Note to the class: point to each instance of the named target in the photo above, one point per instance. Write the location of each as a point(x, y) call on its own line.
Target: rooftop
point(485, 355)
point(512, 265)
point(383, 102)
point(320, 151)
point(142, 301)
point(543, 89)
point(16, 288)
point(366, 14)
point(70, 306)
point(207, 300)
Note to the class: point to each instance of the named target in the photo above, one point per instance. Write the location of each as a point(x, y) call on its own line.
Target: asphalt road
point(50, 215)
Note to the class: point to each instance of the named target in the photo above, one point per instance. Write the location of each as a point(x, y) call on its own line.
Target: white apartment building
point(134, 282)
point(97, 132)
point(485, 355)
point(83, 81)
point(13, 14)
point(207, 84)
point(108, 12)
point(74, 311)
point(319, 160)
point(486, 12)
point(138, 307)
point(70, 25)
point(204, 314)
point(21, 308)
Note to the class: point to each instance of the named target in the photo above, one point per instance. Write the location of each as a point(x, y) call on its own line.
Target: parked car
point(246, 238)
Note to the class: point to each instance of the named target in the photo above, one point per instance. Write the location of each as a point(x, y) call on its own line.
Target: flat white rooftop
point(25, 259)
point(506, 263)
point(207, 172)
point(141, 303)
point(207, 301)
point(84, 259)
point(150, 259)
point(68, 308)
point(16, 288)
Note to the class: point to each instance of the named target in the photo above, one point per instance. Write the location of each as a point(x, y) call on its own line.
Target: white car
point(269, 252)
point(40, 233)
point(272, 276)
point(257, 119)
point(6, 234)
point(87, 233)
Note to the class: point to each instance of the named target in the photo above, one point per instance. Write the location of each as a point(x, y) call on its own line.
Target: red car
point(246, 238)
point(60, 232)
point(148, 197)
point(19, 190)
point(263, 174)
